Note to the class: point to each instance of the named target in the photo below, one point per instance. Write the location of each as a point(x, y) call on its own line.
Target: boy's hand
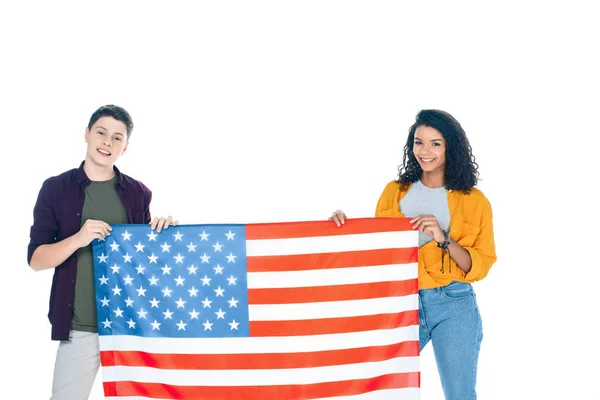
point(160, 223)
point(92, 229)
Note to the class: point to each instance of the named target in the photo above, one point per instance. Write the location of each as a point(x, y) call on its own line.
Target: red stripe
point(314, 294)
point(325, 228)
point(312, 391)
point(259, 361)
point(334, 325)
point(347, 259)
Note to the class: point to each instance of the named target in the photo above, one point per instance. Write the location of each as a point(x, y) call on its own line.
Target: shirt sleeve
point(147, 201)
point(45, 226)
point(483, 251)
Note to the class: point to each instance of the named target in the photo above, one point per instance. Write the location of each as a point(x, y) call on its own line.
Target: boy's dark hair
point(116, 112)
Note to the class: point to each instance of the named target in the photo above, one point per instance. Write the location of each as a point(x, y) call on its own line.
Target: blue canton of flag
point(186, 281)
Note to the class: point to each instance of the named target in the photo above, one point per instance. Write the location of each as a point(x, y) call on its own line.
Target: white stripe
point(332, 309)
point(332, 244)
point(334, 276)
point(244, 345)
point(261, 377)
point(386, 394)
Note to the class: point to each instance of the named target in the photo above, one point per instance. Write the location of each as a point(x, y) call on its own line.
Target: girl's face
point(429, 148)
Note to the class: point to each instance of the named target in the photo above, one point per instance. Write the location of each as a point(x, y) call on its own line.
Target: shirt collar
point(81, 176)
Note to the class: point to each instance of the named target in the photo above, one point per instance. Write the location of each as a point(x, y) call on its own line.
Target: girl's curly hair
point(461, 169)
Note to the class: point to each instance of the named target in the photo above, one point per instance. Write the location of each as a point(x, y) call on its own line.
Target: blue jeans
point(449, 317)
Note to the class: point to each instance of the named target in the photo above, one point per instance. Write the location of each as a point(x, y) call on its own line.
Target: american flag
point(295, 310)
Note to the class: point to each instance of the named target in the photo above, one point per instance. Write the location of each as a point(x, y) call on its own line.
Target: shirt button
point(70, 304)
point(78, 214)
point(72, 280)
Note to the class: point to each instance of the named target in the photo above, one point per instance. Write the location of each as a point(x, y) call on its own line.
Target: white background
point(281, 111)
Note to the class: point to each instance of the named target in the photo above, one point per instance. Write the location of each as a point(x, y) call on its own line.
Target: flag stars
point(220, 314)
point(233, 325)
point(217, 247)
point(233, 302)
point(140, 269)
point(114, 246)
point(231, 258)
point(155, 325)
point(126, 235)
point(230, 235)
point(179, 281)
point(141, 291)
point(193, 292)
point(153, 281)
point(219, 291)
point(152, 258)
point(205, 258)
point(107, 323)
point(142, 313)
point(103, 280)
point(127, 258)
point(116, 290)
point(218, 270)
point(168, 314)
point(151, 236)
point(166, 292)
point(178, 236)
point(192, 269)
point(232, 279)
point(102, 258)
point(154, 303)
point(191, 247)
point(131, 323)
point(181, 326)
point(139, 247)
point(205, 281)
point(180, 303)
point(166, 270)
point(194, 314)
point(165, 247)
point(204, 236)
point(129, 302)
point(178, 258)
point(207, 326)
point(115, 269)
point(206, 303)
point(118, 312)
point(128, 280)
point(105, 302)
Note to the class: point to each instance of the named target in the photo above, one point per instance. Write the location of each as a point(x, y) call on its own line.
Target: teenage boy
point(72, 209)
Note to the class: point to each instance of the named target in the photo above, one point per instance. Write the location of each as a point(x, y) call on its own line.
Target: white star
point(140, 269)
point(233, 302)
point(193, 292)
point(127, 258)
point(205, 281)
point(218, 269)
point(152, 258)
point(206, 302)
point(230, 235)
point(102, 258)
point(141, 291)
point(180, 303)
point(139, 247)
point(128, 280)
point(179, 281)
point(151, 236)
point(205, 258)
point(204, 235)
point(191, 247)
point(115, 268)
point(192, 269)
point(219, 292)
point(153, 281)
point(178, 236)
point(232, 280)
point(129, 302)
point(126, 235)
point(234, 325)
point(167, 292)
point(155, 325)
point(142, 313)
point(166, 270)
point(154, 303)
point(178, 258)
point(231, 258)
point(168, 314)
point(194, 314)
point(207, 325)
point(116, 291)
point(131, 323)
point(220, 314)
point(118, 312)
point(218, 247)
point(107, 323)
point(181, 326)
point(114, 246)
point(103, 280)
point(105, 302)
point(166, 247)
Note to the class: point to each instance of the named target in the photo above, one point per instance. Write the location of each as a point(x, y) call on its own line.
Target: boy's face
point(107, 140)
